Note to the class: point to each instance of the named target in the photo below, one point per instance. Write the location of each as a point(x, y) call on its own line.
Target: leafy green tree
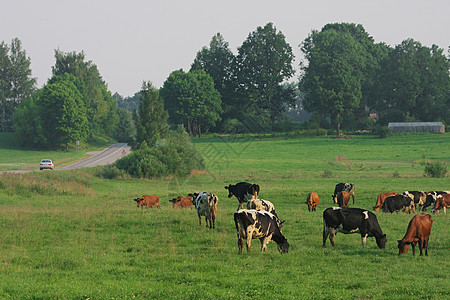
point(264, 61)
point(151, 121)
point(126, 130)
point(333, 76)
point(220, 63)
point(16, 82)
point(192, 100)
point(415, 81)
point(101, 106)
point(63, 111)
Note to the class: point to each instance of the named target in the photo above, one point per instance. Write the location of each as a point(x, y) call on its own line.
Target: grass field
point(72, 235)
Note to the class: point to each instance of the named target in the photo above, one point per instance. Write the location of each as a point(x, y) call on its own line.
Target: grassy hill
point(70, 234)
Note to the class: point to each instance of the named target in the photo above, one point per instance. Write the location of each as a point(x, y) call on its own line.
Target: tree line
point(344, 76)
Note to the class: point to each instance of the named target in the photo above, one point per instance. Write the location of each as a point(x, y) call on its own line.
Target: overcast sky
point(135, 40)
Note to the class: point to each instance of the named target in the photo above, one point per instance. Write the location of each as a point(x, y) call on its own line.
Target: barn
point(433, 127)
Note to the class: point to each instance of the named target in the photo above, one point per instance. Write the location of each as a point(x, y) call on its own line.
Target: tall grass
point(71, 234)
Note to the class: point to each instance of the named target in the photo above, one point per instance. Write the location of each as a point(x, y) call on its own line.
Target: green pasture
point(73, 235)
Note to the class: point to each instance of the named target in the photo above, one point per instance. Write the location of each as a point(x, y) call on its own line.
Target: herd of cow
point(261, 221)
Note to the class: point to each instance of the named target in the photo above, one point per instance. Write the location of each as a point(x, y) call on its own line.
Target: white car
point(46, 164)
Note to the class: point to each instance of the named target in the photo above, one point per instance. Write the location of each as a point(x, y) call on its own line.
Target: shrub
point(173, 155)
point(111, 172)
point(435, 169)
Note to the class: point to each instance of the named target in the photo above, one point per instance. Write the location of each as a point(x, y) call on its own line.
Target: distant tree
point(192, 100)
point(16, 82)
point(415, 82)
point(128, 103)
point(219, 62)
point(101, 106)
point(151, 118)
point(264, 61)
point(126, 130)
point(333, 76)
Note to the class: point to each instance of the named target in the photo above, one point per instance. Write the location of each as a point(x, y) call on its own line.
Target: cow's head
point(403, 247)
point(139, 201)
point(230, 193)
point(283, 247)
point(381, 242)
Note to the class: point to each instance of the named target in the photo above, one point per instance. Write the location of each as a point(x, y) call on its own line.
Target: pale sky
point(132, 41)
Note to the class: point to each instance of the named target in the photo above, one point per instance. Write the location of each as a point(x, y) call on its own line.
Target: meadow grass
point(72, 235)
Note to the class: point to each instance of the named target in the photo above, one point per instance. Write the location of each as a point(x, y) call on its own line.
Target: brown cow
point(312, 200)
point(381, 198)
point(147, 201)
point(442, 201)
point(342, 198)
point(419, 230)
point(182, 202)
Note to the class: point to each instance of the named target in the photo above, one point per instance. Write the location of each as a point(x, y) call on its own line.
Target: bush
point(173, 155)
point(435, 169)
point(383, 131)
point(111, 172)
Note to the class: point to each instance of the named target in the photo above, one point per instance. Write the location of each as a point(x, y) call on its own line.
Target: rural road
point(101, 158)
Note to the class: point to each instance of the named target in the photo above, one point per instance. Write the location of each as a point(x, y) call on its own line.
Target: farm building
point(433, 127)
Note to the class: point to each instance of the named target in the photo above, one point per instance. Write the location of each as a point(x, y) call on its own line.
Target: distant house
point(433, 127)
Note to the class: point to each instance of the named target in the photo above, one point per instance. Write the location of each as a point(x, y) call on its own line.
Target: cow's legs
point(425, 245)
point(364, 240)
point(264, 241)
point(326, 232)
point(413, 248)
point(240, 244)
point(199, 220)
point(249, 241)
point(421, 243)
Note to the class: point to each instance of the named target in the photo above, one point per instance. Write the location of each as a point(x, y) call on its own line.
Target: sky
point(134, 41)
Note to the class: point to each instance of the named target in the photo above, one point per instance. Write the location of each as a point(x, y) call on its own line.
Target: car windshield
point(46, 161)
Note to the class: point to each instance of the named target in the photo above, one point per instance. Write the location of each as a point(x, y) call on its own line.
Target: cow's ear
point(282, 222)
point(226, 187)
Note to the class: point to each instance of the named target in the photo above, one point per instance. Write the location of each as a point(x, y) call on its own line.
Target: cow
point(147, 201)
point(181, 202)
point(342, 198)
point(343, 186)
point(398, 203)
point(260, 204)
point(352, 220)
point(259, 224)
point(442, 201)
point(419, 197)
point(206, 205)
point(380, 200)
point(431, 199)
point(312, 200)
point(243, 191)
point(419, 230)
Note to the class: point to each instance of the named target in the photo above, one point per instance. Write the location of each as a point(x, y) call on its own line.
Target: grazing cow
point(181, 202)
point(380, 200)
point(419, 230)
point(352, 220)
point(431, 199)
point(312, 200)
point(442, 201)
point(342, 198)
point(206, 204)
point(419, 197)
point(147, 201)
point(398, 203)
point(258, 224)
point(347, 187)
point(243, 191)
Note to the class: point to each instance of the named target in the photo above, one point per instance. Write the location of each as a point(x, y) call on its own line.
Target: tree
point(264, 61)
point(16, 82)
point(415, 82)
point(101, 106)
point(151, 122)
point(63, 111)
point(192, 100)
point(333, 76)
point(220, 63)
point(126, 130)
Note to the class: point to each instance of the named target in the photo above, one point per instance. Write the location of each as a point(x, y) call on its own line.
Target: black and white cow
point(206, 205)
point(430, 200)
point(344, 186)
point(352, 220)
point(258, 224)
point(398, 203)
point(243, 191)
point(419, 197)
